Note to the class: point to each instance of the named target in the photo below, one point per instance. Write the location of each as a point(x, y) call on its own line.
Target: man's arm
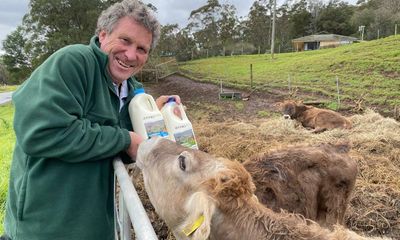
point(49, 115)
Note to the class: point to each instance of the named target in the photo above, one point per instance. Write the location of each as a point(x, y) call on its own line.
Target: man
point(71, 119)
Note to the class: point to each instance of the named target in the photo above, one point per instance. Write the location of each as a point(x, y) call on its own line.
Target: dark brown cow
point(315, 181)
point(315, 118)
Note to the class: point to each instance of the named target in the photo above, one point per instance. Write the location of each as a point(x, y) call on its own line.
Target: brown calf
point(203, 197)
point(315, 118)
point(315, 181)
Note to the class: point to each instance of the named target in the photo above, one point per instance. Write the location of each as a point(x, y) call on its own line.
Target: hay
point(375, 205)
point(374, 209)
point(375, 140)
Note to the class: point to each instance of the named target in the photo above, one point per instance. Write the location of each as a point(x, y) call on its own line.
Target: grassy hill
point(368, 73)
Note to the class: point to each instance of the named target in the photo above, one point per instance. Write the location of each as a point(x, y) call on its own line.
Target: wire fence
point(337, 92)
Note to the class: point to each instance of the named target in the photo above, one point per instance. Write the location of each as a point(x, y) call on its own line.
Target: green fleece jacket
point(68, 129)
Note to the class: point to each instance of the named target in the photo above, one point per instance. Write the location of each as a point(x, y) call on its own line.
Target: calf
point(200, 197)
point(315, 181)
point(314, 118)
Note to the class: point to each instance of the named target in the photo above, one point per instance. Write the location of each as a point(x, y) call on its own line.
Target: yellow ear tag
point(188, 230)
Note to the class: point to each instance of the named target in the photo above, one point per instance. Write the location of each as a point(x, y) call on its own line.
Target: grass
point(369, 71)
point(8, 88)
point(7, 139)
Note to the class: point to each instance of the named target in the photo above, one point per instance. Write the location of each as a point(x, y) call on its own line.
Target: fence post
point(251, 76)
point(338, 92)
point(395, 29)
point(157, 74)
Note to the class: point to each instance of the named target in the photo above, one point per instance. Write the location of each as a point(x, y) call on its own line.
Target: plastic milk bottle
point(178, 125)
point(146, 119)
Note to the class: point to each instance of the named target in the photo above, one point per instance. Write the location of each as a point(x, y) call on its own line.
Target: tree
point(300, 20)
point(204, 26)
point(377, 15)
point(227, 25)
point(186, 45)
point(259, 25)
point(4, 77)
point(63, 22)
point(315, 7)
point(283, 37)
point(16, 58)
point(167, 43)
point(335, 18)
point(48, 26)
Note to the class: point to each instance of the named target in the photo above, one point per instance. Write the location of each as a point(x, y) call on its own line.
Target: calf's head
point(291, 109)
point(185, 184)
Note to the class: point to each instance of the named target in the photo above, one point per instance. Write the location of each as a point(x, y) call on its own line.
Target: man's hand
point(136, 139)
point(160, 101)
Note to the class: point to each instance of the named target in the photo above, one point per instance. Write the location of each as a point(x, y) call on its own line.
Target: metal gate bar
point(141, 223)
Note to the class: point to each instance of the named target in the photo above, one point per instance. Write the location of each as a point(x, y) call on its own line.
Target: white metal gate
point(130, 211)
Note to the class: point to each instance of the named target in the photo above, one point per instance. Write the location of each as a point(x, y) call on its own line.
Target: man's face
point(127, 46)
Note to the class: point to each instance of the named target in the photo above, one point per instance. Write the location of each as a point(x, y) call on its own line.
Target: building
point(319, 41)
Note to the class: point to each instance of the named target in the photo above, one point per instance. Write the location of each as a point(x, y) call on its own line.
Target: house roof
point(324, 38)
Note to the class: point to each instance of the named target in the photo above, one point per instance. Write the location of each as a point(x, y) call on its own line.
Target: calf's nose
point(286, 116)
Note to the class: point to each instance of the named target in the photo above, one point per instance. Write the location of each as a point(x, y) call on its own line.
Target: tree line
point(214, 29)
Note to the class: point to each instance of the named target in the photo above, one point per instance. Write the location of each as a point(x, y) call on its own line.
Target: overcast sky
point(169, 11)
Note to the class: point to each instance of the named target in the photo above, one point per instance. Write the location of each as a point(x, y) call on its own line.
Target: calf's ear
point(277, 106)
point(200, 209)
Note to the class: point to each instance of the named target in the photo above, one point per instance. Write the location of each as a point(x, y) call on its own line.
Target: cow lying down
point(314, 118)
point(315, 181)
point(200, 197)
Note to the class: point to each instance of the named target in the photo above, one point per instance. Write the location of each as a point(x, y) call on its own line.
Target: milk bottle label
point(186, 138)
point(146, 119)
point(178, 125)
point(156, 128)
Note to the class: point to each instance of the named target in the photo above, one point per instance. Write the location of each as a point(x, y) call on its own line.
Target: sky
point(169, 12)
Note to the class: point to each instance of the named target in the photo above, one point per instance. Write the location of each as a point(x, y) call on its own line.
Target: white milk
point(178, 125)
point(146, 119)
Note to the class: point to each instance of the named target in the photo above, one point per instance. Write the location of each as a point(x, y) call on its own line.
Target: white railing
point(133, 211)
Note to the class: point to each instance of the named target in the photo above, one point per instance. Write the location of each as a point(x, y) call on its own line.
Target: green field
point(367, 72)
point(7, 139)
point(8, 88)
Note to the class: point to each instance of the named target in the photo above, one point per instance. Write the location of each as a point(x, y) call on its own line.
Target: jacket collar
point(102, 57)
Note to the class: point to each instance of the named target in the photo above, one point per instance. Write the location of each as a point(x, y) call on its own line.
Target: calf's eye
point(182, 164)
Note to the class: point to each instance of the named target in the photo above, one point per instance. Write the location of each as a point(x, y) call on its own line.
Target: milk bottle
point(178, 125)
point(146, 119)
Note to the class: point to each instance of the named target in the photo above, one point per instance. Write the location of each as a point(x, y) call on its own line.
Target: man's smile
point(120, 62)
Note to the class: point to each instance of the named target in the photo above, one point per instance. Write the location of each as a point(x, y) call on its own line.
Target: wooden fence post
point(338, 92)
point(396, 112)
point(157, 74)
point(251, 76)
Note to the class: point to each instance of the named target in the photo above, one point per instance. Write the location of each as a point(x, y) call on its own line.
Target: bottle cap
point(138, 91)
point(171, 99)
